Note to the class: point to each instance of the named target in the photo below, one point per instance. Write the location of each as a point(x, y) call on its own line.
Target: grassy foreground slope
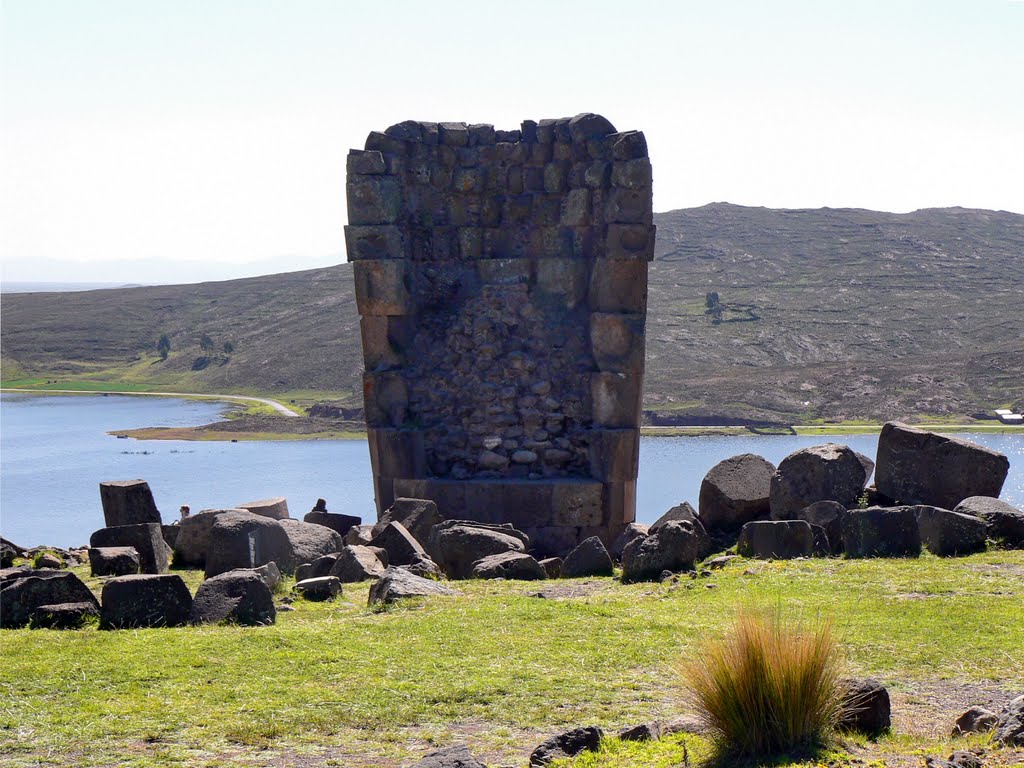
point(501, 668)
point(827, 315)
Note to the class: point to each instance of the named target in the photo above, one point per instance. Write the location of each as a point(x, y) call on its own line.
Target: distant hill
point(833, 314)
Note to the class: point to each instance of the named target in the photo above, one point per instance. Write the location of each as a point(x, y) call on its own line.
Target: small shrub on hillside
point(770, 687)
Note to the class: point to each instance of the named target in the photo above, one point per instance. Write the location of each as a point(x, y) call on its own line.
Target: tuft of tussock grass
point(770, 686)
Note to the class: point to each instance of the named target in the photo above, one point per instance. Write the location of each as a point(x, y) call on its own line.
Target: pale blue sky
point(181, 140)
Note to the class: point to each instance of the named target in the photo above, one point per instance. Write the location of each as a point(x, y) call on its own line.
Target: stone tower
point(501, 280)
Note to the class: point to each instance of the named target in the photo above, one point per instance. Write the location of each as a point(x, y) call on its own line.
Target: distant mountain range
point(825, 314)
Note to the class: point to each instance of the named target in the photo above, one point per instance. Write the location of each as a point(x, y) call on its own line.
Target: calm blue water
point(54, 451)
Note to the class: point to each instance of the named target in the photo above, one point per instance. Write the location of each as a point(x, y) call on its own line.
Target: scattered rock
point(397, 583)
point(458, 544)
point(244, 540)
point(632, 531)
point(323, 566)
point(128, 502)
point(829, 516)
point(958, 759)
point(356, 563)
point(418, 516)
point(552, 567)
point(425, 567)
point(829, 472)
point(359, 535)
point(113, 561)
point(735, 492)
point(145, 600)
point(1010, 726)
point(147, 538)
point(683, 511)
point(270, 574)
point(567, 744)
point(1005, 522)
point(642, 732)
point(509, 565)
point(341, 524)
point(921, 467)
point(64, 615)
point(310, 541)
point(236, 597)
point(881, 532)
point(275, 508)
point(7, 555)
point(170, 534)
point(48, 560)
point(684, 724)
point(719, 562)
point(674, 547)
point(975, 720)
point(452, 757)
point(776, 539)
point(401, 546)
point(865, 707)
point(24, 590)
point(304, 571)
point(319, 589)
point(193, 540)
point(947, 533)
point(590, 558)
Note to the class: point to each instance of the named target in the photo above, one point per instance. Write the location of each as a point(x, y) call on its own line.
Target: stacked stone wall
point(501, 280)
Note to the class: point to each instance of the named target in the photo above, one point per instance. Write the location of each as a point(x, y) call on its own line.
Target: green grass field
point(500, 668)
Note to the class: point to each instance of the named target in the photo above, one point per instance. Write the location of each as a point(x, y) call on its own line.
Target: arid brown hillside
point(823, 314)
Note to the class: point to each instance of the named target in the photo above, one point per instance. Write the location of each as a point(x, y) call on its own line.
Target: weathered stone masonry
point(501, 278)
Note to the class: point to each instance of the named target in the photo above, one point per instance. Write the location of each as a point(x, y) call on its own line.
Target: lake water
point(54, 451)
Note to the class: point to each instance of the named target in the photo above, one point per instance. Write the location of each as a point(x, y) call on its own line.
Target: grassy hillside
point(827, 315)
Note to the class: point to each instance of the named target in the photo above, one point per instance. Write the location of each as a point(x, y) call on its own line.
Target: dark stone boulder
point(113, 561)
point(245, 540)
point(64, 615)
point(319, 589)
point(128, 502)
point(568, 744)
point(170, 534)
point(881, 532)
point(270, 574)
point(776, 539)
point(48, 560)
point(632, 531)
point(304, 571)
point(674, 547)
point(193, 539)
point(310, 541)
point(417, 516)
point(397, 584)
point(864, 707)
point(341, 524)
point(829, 516)
point(975, 720)
point(920, 467)
point(401, 546)
point(735, 492)
point(323, 566)
point(681, 511)
point(147, 538)
point(235, 597)
point(1005, 522)
point(425, 567)
point(22, 590)
point(458, 544)
point(590, 558)
point(959, 759)
point(829, 472)
point(641, 732)
point(1010, 726)
point(356, 563)
point(7, 555)
point(509, 565)
point(552, 567)
point(145, 600)
point(451, 757)
point(359, 535)
point(947, 533)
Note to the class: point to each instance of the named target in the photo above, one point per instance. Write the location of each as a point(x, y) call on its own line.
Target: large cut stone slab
point(915, 466)
point(417, 516)
point(829, 472)
point(881, 532)
point(146, 538)
point(400, 545)
point(333, 520)
point(22, 591)
point(113, 561)
point(194, 537)
point(357, 563)
point(776, 539)
point(1005, 522)
point(128, 502)
point(950, 533)
point(145, 600)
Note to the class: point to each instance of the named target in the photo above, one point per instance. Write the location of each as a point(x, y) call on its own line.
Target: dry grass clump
point(768, 687)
